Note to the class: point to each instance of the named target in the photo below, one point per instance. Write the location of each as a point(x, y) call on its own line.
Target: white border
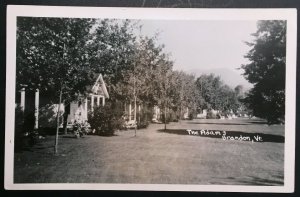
point(159, 14)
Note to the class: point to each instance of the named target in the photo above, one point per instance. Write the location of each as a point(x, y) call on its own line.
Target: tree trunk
point(65, 117)
point(165, 118)
point(65, 124)
point(57, 121)
point(180, 111)
point(135, 115)
point(139, 117)
point(146, 109)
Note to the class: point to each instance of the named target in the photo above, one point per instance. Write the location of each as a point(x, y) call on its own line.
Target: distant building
point(203, 114)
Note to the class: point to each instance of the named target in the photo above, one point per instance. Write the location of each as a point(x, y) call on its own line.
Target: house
point(203, 114)
point(78, 110)
point(156, 114)
point(45, 113)
point(186, 113)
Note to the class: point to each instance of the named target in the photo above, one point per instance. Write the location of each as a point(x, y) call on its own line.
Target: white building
point(45, 113)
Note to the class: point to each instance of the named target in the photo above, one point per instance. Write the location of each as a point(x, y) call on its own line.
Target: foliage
point(106, 119)
point(184, 93)
point(18, 128)
point(51, 54)
point(266, 71)
point(142, 122)
point(64, 55)
point(192, 116)
point(112, 54)
point(25, 135)
point(211, 115)
point(216, 95)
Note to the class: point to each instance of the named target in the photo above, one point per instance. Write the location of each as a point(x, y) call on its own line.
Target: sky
point(203, 45)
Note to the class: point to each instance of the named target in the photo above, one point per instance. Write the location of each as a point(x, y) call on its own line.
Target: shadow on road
point(245, 122)
point(221, 123)
point(257, 122)
point(231, 134)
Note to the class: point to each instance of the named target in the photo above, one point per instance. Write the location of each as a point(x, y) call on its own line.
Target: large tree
point(184, 93)
point(113, 50)
point(266, 71)
point(52, 56)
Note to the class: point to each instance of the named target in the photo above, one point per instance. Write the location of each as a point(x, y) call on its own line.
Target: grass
point(158, 157)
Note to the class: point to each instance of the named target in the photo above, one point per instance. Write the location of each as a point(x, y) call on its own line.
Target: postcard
point(161, 99)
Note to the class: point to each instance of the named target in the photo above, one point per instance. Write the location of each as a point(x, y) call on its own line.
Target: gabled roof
point(99, 87)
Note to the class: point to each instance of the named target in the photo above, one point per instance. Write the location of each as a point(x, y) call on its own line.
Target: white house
point(78, 110)
point(45, 113)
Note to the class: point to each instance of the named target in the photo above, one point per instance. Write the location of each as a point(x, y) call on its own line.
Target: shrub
point(142, 124)
point(192, 116)
point(105, 120)
point(211, 115)
point(143, 118)
point(173, 117)
point(24, 129)
point(18, 128)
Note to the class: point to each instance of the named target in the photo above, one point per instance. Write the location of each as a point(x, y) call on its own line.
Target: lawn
point(156, 156)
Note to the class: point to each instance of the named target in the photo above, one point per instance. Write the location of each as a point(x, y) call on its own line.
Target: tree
point(216, 95)
point(52, 56)
point(184, 93)
point(239, 90)
point(266, 71)
point(209, 86)
point(140, 79)
point(113, 54)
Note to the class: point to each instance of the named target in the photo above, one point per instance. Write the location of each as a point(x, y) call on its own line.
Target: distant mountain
point(228, 76)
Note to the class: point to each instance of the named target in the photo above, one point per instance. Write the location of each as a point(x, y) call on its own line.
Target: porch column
point(22, 103)
point(98, 100)
point(92, 102)
point(36, 109)
point(86, 107)
point(139, 109)
point(103, 100)
point(129, 111)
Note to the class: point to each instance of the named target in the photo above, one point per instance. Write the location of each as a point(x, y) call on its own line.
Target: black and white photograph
point(144, 99)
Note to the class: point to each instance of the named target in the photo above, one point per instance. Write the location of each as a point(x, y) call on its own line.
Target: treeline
point(63, 55)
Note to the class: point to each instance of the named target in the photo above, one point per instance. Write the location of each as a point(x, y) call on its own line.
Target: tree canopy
point(266, 71)
point(216, 95)
point(51, 54)
point(65, 54)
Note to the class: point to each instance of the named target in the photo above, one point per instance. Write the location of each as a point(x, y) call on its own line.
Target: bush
point(105, 120)
point(211, 115)
point(18, 128)
point(144, 118)
point(142, 124)
point(24, 129)
point(192, 116)
point(171, 117)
